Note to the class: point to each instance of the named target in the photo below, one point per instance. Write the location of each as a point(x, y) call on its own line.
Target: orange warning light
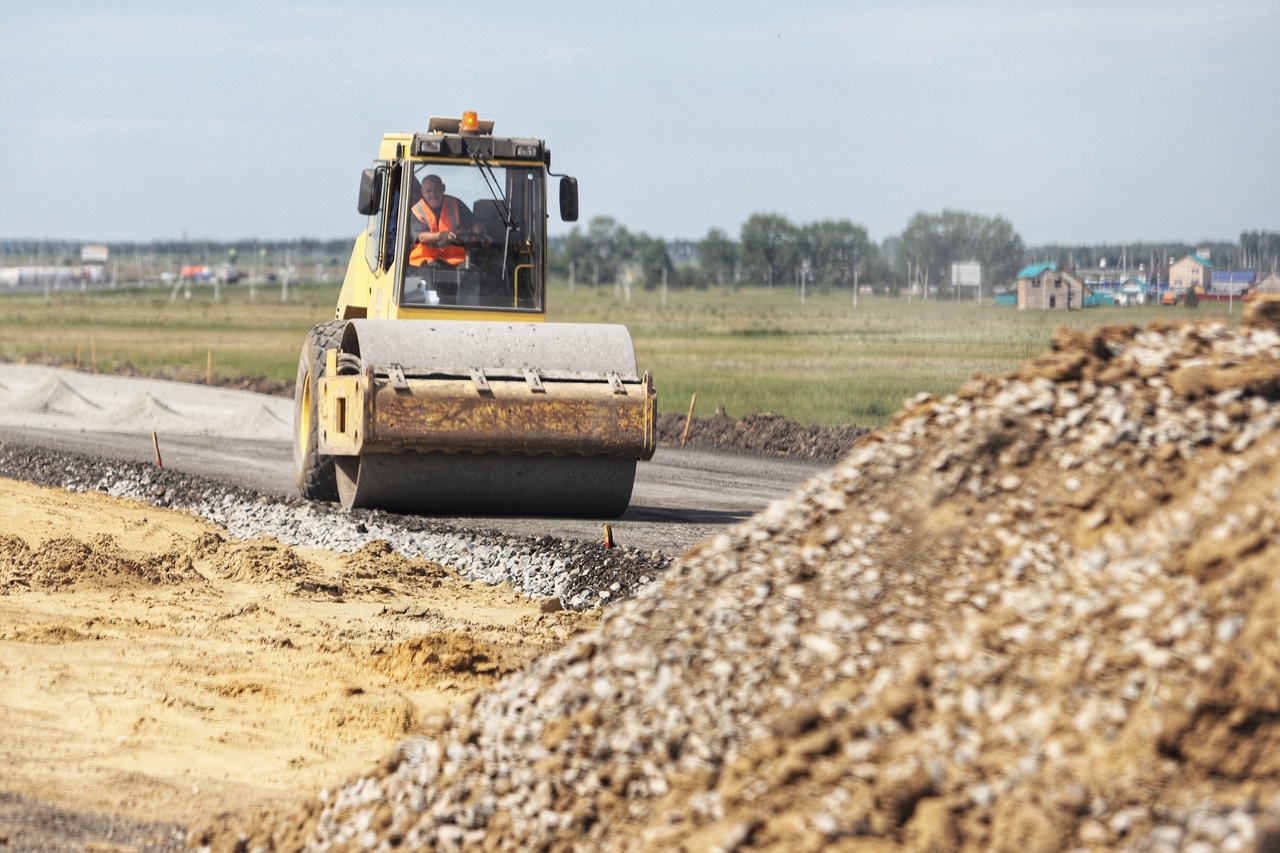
point(470, 123)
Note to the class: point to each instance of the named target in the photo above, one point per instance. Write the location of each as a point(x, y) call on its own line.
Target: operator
point(437, 224)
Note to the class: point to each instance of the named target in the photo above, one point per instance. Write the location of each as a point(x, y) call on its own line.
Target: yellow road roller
point(438, 388)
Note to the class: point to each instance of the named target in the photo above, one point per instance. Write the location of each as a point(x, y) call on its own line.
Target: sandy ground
point(152, 669)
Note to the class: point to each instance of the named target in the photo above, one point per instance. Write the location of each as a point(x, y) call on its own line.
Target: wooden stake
point(689, 417)
point(93, 355)
point(208, 369)
point(608, 536)
point(155, 442)
point(78, 346)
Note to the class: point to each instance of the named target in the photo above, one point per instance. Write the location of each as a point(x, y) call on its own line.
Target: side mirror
point(367, 205)
point(569, 199)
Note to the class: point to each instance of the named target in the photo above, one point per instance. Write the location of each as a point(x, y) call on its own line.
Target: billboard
point(93, 254)
point(966, 274)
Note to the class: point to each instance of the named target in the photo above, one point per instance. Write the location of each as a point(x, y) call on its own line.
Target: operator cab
point(468, 245)
point(458, 220)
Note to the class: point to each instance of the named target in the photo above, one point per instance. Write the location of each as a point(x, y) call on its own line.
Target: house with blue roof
point(1044, 287)
point(1232, 281)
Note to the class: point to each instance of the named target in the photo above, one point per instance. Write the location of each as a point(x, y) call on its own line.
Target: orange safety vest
point(452, 255)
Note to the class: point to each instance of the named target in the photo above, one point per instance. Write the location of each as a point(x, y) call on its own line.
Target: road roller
point(438, 388)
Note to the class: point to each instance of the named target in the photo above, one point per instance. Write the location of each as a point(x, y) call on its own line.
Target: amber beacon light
point(470, 123)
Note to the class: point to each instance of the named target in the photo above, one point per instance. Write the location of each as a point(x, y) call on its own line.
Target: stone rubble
point(1041, 614)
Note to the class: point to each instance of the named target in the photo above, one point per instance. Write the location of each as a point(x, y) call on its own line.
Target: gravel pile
point(581, 575)
point(1041, 614)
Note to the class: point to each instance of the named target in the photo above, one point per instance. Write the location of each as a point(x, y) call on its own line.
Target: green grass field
point(824, 361)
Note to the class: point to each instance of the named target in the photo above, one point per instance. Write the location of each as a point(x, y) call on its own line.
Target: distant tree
point(577, 255)
point(1260, 250)
point(834, 248)
point(610, 244)
point(876, 269)
point(650, 253)
point(718, 256)
point(769, 248)
point(932, 243)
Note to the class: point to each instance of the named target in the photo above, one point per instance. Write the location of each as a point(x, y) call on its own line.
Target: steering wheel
point(471, 240)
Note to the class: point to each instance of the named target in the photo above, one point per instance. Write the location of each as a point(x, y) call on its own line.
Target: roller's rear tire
point(313, 472)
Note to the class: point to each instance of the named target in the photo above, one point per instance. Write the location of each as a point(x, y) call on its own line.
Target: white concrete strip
point(57, 398)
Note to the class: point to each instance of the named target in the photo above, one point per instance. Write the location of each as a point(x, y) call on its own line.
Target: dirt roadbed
point(156, 674)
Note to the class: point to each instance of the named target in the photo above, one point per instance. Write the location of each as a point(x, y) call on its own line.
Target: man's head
point(433, 191)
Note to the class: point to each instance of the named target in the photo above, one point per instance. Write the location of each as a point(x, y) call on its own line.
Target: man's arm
point(468, 222)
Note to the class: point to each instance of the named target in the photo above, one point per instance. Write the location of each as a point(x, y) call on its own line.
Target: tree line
point(770, 250)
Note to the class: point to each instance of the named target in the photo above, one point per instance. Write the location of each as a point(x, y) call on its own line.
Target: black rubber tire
point(313, 473)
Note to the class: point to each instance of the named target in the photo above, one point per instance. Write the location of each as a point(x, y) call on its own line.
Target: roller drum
point(487, 484)
point(594, 485)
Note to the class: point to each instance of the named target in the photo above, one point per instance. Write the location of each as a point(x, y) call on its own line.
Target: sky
point(1078, 121)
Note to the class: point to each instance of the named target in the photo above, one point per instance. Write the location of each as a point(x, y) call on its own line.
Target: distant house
point(1269, 284)
point(1043, 287)
point(1191, 271)
point(1132, 291)
point(1231, 281)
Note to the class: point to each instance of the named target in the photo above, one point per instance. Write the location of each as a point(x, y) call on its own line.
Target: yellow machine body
point(438, 387)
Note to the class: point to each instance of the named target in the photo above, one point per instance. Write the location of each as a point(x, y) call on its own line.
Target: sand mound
point(264, 562)
point(377, 560)
point(145, 412)
point(99, 562)
point(1042, 614)
point(52, 396)
point(469, 661)
point(251, 422)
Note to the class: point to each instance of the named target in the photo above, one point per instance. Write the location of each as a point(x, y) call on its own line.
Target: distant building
point(1191, 271)
point(1132, 291)
point(1269, 284)
point(1231, 281)
point(1043, 287)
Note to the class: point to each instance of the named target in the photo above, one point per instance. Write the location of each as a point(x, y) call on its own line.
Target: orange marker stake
point(689, 417)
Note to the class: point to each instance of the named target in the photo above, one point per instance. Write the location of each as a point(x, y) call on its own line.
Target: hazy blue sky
point(1083, 121)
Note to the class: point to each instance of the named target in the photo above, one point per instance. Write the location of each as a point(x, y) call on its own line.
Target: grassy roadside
point(823, 361)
